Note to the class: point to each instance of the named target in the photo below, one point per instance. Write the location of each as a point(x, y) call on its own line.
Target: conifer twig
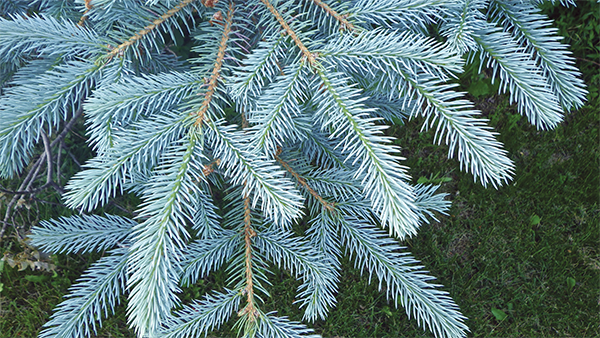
point(329, 206)
point(345, 24)
point(250, 308)
point(149, 28)
point(212, 83)
point(307, 54)
point(88, 6)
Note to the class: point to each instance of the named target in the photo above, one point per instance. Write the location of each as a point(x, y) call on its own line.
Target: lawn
point(520, 261)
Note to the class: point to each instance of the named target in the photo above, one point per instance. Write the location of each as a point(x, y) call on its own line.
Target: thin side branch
point(149, 28)
point(24, 192)
point(25, 187)
point(586, 60)
point(342, 20)
point(307, 54)
point(250, 308)
point(48, 152)
point(88, 6)
point(36, 169)
point(61, 145)
point(212, 83)
point(329, 206)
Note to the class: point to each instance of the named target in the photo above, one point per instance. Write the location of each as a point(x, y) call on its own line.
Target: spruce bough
point(283, 106)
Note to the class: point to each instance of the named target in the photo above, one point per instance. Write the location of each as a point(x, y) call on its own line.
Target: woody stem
point(302, 181)
point(149, 28)
point(212, 83)
point(309, 56)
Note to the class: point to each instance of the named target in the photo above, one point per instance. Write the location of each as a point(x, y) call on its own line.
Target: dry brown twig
point(26, 185)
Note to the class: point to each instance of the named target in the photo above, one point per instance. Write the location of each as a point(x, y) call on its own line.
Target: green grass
point(492, 253)
point(517, 249)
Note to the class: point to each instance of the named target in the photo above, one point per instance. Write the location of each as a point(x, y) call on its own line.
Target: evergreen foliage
point(282, 104)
